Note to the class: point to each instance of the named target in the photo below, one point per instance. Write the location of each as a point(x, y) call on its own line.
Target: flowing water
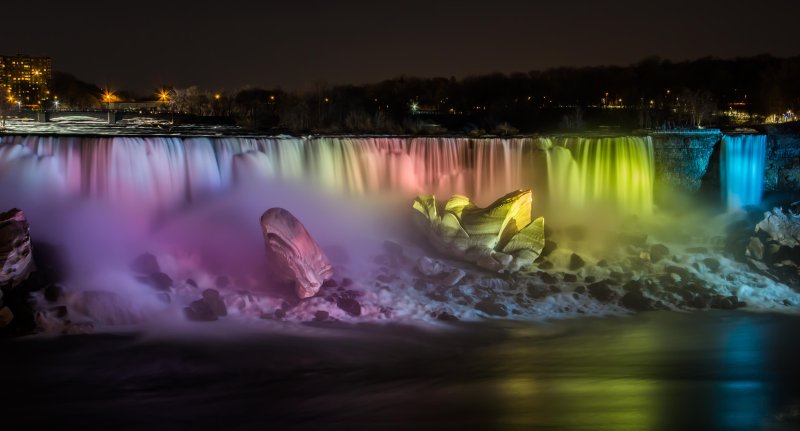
point(742, 174)
point(110, 198)
point(656, 371)
point(161, 173)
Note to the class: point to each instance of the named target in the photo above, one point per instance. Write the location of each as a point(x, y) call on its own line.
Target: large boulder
point(781, 226)
point(501, 237)
point(292, 254)
point(16, 256)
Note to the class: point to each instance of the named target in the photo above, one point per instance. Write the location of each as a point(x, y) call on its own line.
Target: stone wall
point(783, 158)
point(682, 160)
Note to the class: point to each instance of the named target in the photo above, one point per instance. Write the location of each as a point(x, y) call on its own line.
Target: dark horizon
point(357, 42)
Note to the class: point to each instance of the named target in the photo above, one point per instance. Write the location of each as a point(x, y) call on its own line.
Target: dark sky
point(226, 44)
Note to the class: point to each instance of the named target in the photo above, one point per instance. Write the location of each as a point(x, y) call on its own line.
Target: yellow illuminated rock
point(500, 237)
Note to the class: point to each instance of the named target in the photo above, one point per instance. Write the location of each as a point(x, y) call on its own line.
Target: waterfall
point(742, 169)
point(159, 173)
point(588, 173)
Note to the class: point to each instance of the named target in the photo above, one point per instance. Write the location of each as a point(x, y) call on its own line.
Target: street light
point(163, 96)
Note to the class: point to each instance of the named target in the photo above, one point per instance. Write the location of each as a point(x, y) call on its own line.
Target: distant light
point(163, 96)
point(217, 96)
point(414, 107)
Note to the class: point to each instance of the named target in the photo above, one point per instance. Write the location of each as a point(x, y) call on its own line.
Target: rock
point(576, 262)
point(580, 290)
point(499, 238)
point(330, 283)
point(700, 302)
point(53, 292)
point(200, 311)
point(570, 278)
point(349, 306)
point(633, 286)
point(545, 265)
point(292, 254)
point(212, 299)
point(191, 282)
point(16, 254)
point(697, 250)
point(758, 265)
point(600, 291)
point(59, 312)
point(781, 226)
point(393, 248)
point(658, 252)
point(145, 264)
point(548, 278)
point(772, 251)
point(635, 300)
point(537, 291)
point(321, 316)
point(755, 248)
point(279, 313)
point(723, 303)
point(158, 281)
point(682, 273)
point(453, 277)
point(446, 317)
point(51, 261)
point(549, 247)
point(6, 316)
point(429, 267)
point(711, 263)
point(491, 308)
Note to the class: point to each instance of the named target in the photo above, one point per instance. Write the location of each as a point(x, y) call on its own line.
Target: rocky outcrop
point(500, 237)
point(292, 254)
point(774, 247)
point(16, 255)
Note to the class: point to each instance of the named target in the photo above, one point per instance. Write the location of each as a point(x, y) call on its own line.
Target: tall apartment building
point(25, 80)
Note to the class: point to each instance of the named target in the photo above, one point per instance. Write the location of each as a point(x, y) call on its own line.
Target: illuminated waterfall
point(158, 173)
point(590, 173)
point(742, 169)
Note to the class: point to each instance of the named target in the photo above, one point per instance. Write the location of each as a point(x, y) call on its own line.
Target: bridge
point(109, 115)
point(113, 116)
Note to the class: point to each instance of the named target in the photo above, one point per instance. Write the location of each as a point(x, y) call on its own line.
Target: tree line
point(653, 93)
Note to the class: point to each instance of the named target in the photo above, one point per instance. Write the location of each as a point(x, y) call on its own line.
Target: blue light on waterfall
point(742, 174)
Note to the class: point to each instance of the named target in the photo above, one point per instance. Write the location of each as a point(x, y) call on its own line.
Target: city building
point(25, 80)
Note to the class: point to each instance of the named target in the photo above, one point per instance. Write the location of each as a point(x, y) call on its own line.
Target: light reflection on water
point(656, 371)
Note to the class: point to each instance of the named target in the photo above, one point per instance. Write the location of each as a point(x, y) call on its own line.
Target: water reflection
point(743, 398)
point(657, 371)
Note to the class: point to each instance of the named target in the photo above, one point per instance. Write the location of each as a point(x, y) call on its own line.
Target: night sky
point(140, 45)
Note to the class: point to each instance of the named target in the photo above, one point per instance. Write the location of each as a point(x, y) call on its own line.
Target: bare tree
point(699, 105)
